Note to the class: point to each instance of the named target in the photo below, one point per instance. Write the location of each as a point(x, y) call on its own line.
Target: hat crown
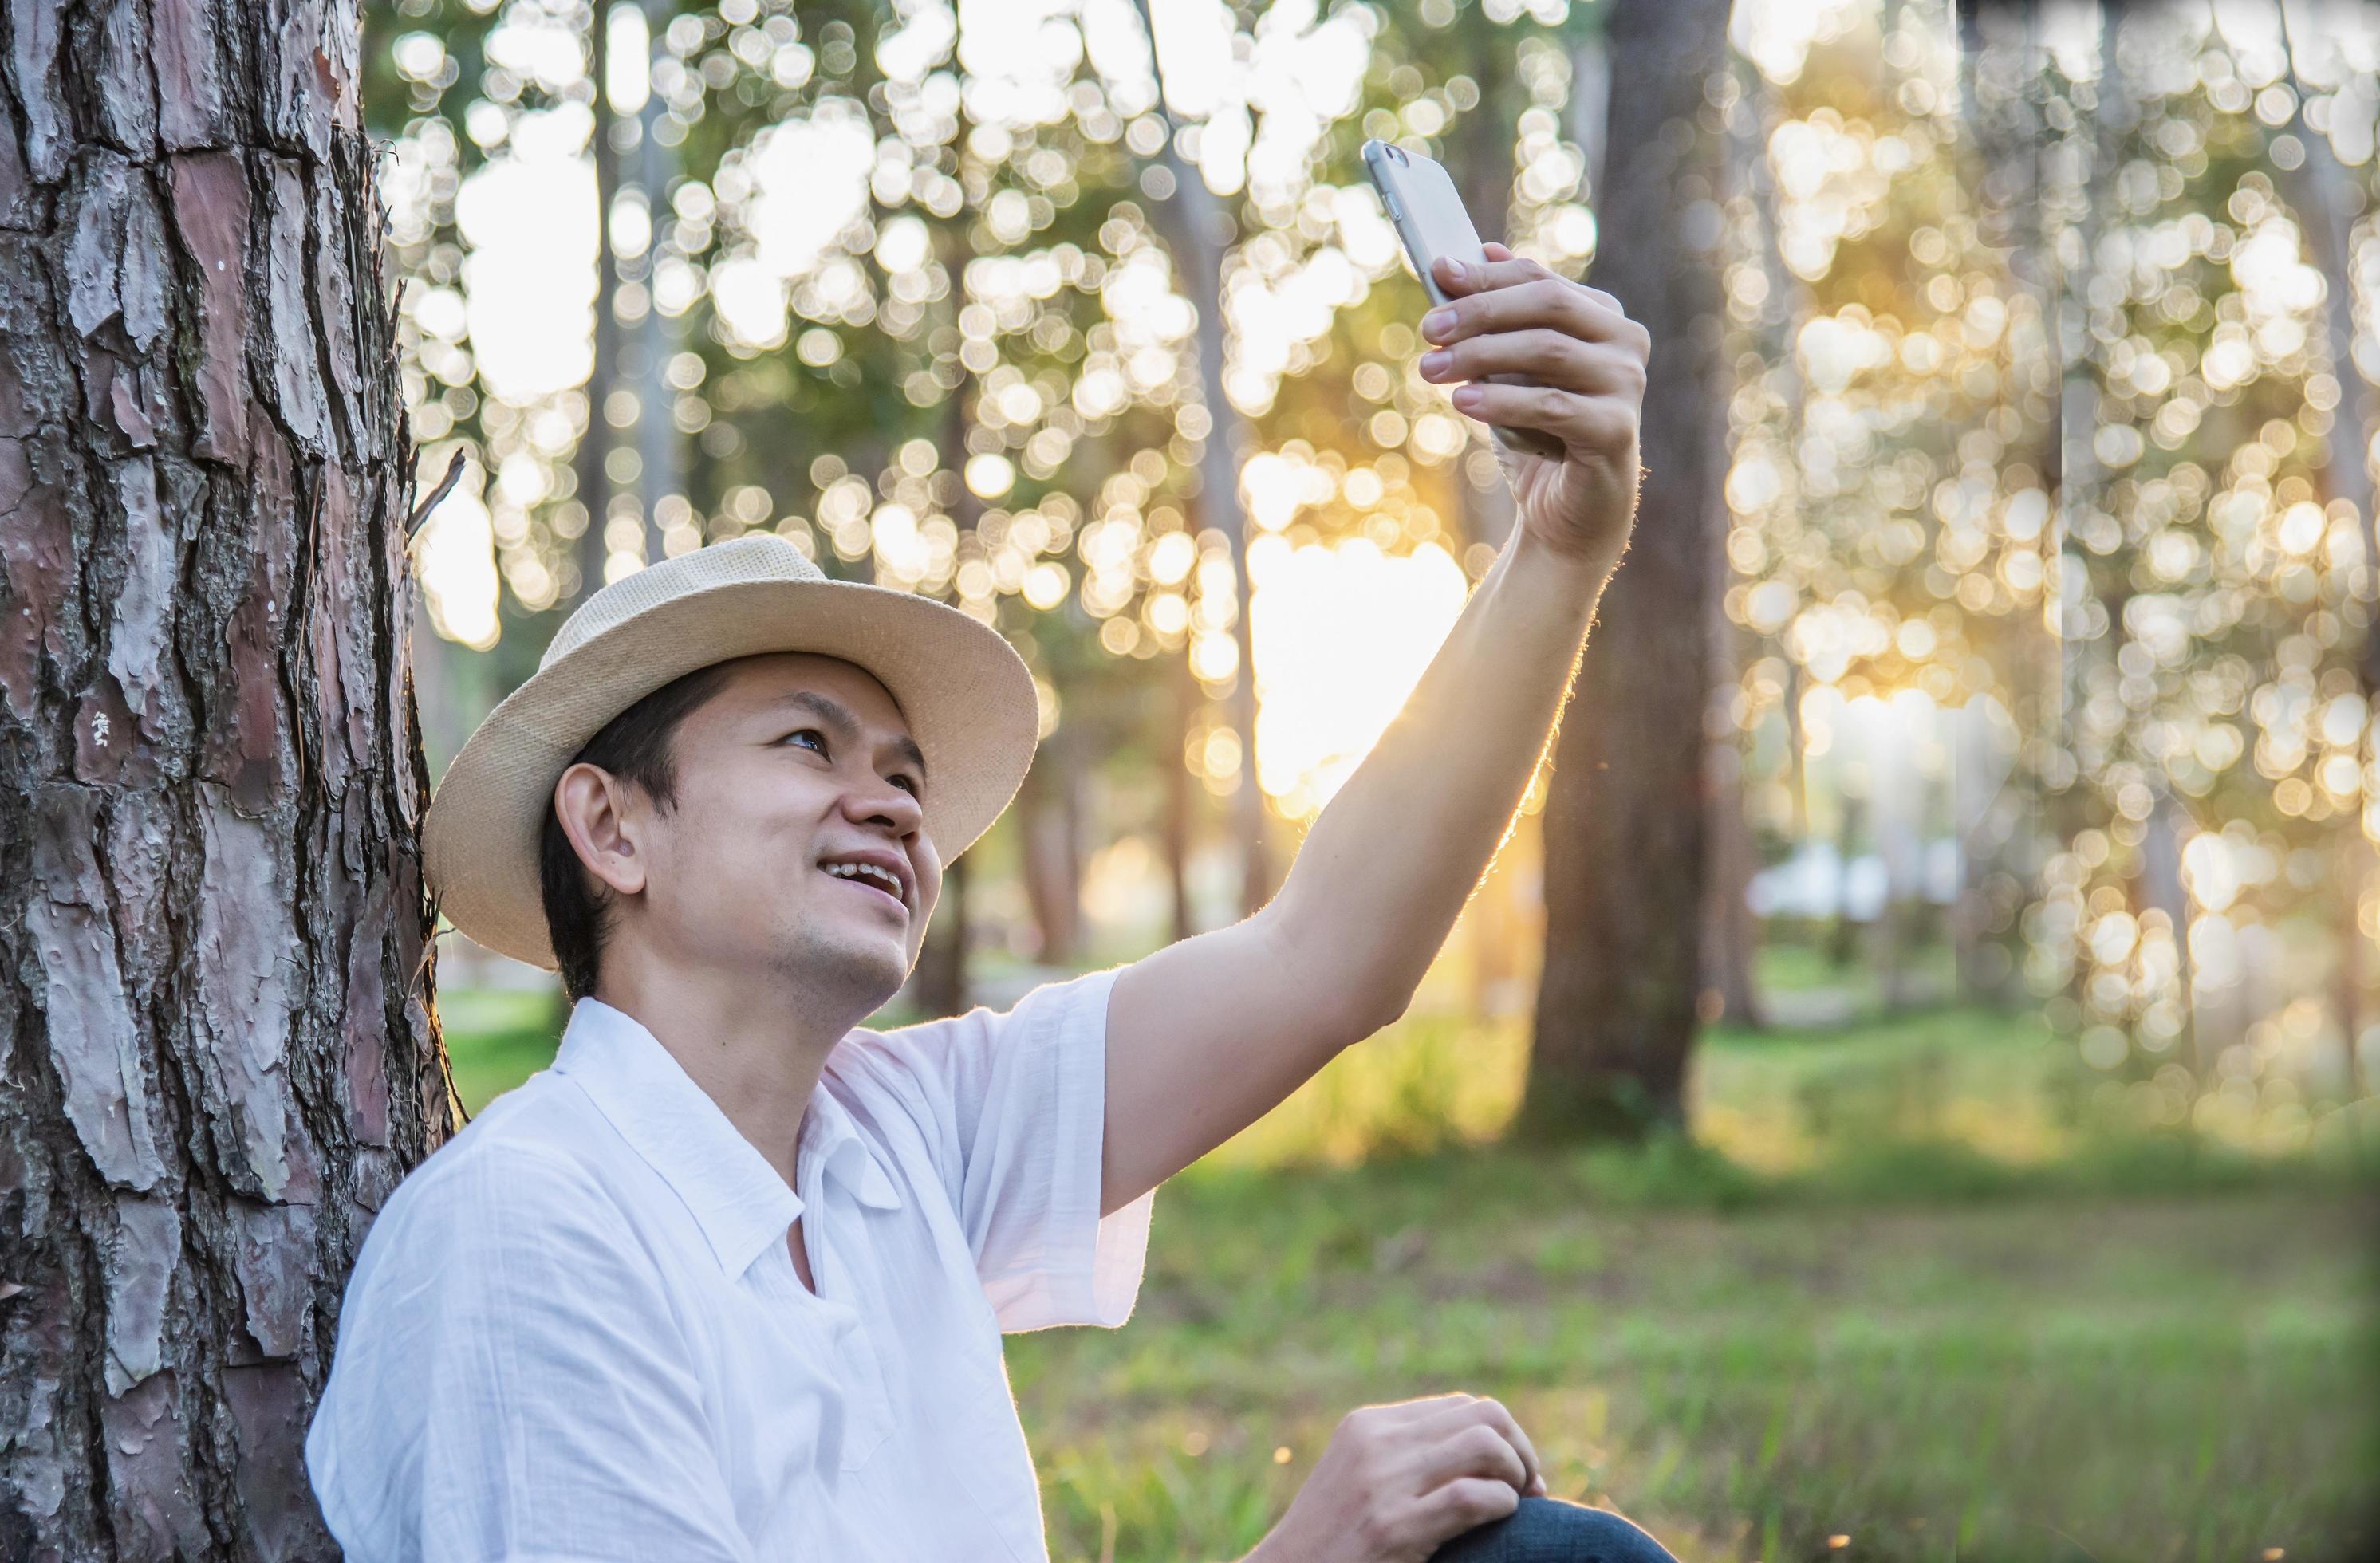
point(762, 556)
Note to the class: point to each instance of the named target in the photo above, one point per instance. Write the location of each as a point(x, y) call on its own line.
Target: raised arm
point(1205, 1035)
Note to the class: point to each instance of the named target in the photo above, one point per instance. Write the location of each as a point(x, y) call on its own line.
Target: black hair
point(635, 748)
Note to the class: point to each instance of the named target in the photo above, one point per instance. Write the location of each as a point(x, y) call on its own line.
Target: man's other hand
point(1398, 1481)
point(1587, 359)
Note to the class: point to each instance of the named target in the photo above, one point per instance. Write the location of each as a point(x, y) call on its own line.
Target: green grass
point(2154, 1376)
point(1926, 1282)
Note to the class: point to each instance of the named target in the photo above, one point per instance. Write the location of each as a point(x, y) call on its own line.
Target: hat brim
point(967, 695)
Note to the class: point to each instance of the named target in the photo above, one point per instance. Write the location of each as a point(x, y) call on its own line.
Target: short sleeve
point(1018, 1103)
point(508, 1384)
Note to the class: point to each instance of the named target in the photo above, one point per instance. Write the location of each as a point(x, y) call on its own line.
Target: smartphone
point(1430, 217)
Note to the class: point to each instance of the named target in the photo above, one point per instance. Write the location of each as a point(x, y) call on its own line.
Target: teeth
point(867, 871)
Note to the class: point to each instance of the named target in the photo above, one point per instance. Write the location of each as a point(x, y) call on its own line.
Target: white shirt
point(576, 1332)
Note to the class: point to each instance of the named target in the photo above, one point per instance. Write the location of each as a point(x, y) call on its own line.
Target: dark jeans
point(1551, 1529)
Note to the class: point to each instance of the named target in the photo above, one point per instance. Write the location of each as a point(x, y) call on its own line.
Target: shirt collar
point(740, 1202)
point(832, 1136)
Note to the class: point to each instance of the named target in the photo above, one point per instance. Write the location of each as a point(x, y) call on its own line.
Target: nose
point(881, 803)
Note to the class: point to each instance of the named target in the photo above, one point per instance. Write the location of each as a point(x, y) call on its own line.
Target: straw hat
point(963, 691)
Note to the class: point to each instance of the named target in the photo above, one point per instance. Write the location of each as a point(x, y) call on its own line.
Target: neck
point(753, 1044)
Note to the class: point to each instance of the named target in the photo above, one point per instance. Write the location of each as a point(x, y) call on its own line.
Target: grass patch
point(2161, 1377)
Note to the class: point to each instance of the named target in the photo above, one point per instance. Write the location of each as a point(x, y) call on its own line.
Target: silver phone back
point(1431, 218)
point(1426, 208)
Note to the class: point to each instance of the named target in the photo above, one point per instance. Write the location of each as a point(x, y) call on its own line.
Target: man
point(728, 1281)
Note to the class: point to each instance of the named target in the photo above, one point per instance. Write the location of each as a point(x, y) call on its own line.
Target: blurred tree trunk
point(2001, 839)
point(1184, 706)
point(1197, 229)
point(1050, 838)
point(595, 445)
point(941, 975)
point(1483, 170)
point(660, 464)
point(219, 1047)
point(942, 965)
point(1731, 935)
point(2328, 201)
point(1852, 806)
point(1626, 824)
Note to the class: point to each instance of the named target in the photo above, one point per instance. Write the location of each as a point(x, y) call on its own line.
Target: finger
point(1595, 423)
point(1504, 270)
point(1473, 1449)
point(1501, 1419)
point(1498, 1418)
point(1461, 1505)
point(1541, 301)
point(1544, 355)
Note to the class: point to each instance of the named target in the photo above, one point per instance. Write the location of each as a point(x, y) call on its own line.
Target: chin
point(866, 972)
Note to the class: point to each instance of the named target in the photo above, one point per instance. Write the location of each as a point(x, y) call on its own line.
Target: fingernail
point(1435, 363)
point(1468, 396)
point(1455, 268)
point(1435, 322)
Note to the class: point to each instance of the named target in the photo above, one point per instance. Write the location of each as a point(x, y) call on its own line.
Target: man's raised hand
point(1588, 360)
point(1398, 1480)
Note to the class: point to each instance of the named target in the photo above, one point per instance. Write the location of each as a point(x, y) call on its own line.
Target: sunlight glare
point(1342, 633)
point(530, 218)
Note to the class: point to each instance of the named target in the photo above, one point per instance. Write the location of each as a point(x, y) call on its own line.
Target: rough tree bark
point(217, 1054)
point(1626, 824)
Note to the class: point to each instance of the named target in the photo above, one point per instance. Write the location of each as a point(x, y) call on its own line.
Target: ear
point(593, 807)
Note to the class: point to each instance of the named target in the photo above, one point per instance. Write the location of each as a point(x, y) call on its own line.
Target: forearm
point(1207, 1035)
point(1387, 868)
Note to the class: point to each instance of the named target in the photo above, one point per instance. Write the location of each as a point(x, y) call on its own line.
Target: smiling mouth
point(868, 876)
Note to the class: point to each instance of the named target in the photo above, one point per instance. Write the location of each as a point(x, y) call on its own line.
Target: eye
point(818, 739)
point(906, 781)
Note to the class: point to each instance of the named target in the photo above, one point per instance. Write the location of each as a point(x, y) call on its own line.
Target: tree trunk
point(2328, 201)
point(217, 1048)
point(1195, 224)
point(1625, 829)
point(1184, 706)
point(1482, 172)
point(1048, 814)
point(2006, 835)
point(594, 483)
point(942, 963)
point(1730, 933)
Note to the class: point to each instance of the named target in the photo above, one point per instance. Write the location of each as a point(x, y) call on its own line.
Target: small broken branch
point(445, 486)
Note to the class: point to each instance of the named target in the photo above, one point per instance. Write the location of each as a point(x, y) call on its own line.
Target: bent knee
point(1548, 1529)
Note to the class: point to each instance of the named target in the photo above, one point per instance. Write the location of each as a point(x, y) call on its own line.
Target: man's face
point(797, 843)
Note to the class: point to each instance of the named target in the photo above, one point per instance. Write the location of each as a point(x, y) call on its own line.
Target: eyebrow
point(846, 725)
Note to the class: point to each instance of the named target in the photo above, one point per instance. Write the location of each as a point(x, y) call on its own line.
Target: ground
point(1913, 1287)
